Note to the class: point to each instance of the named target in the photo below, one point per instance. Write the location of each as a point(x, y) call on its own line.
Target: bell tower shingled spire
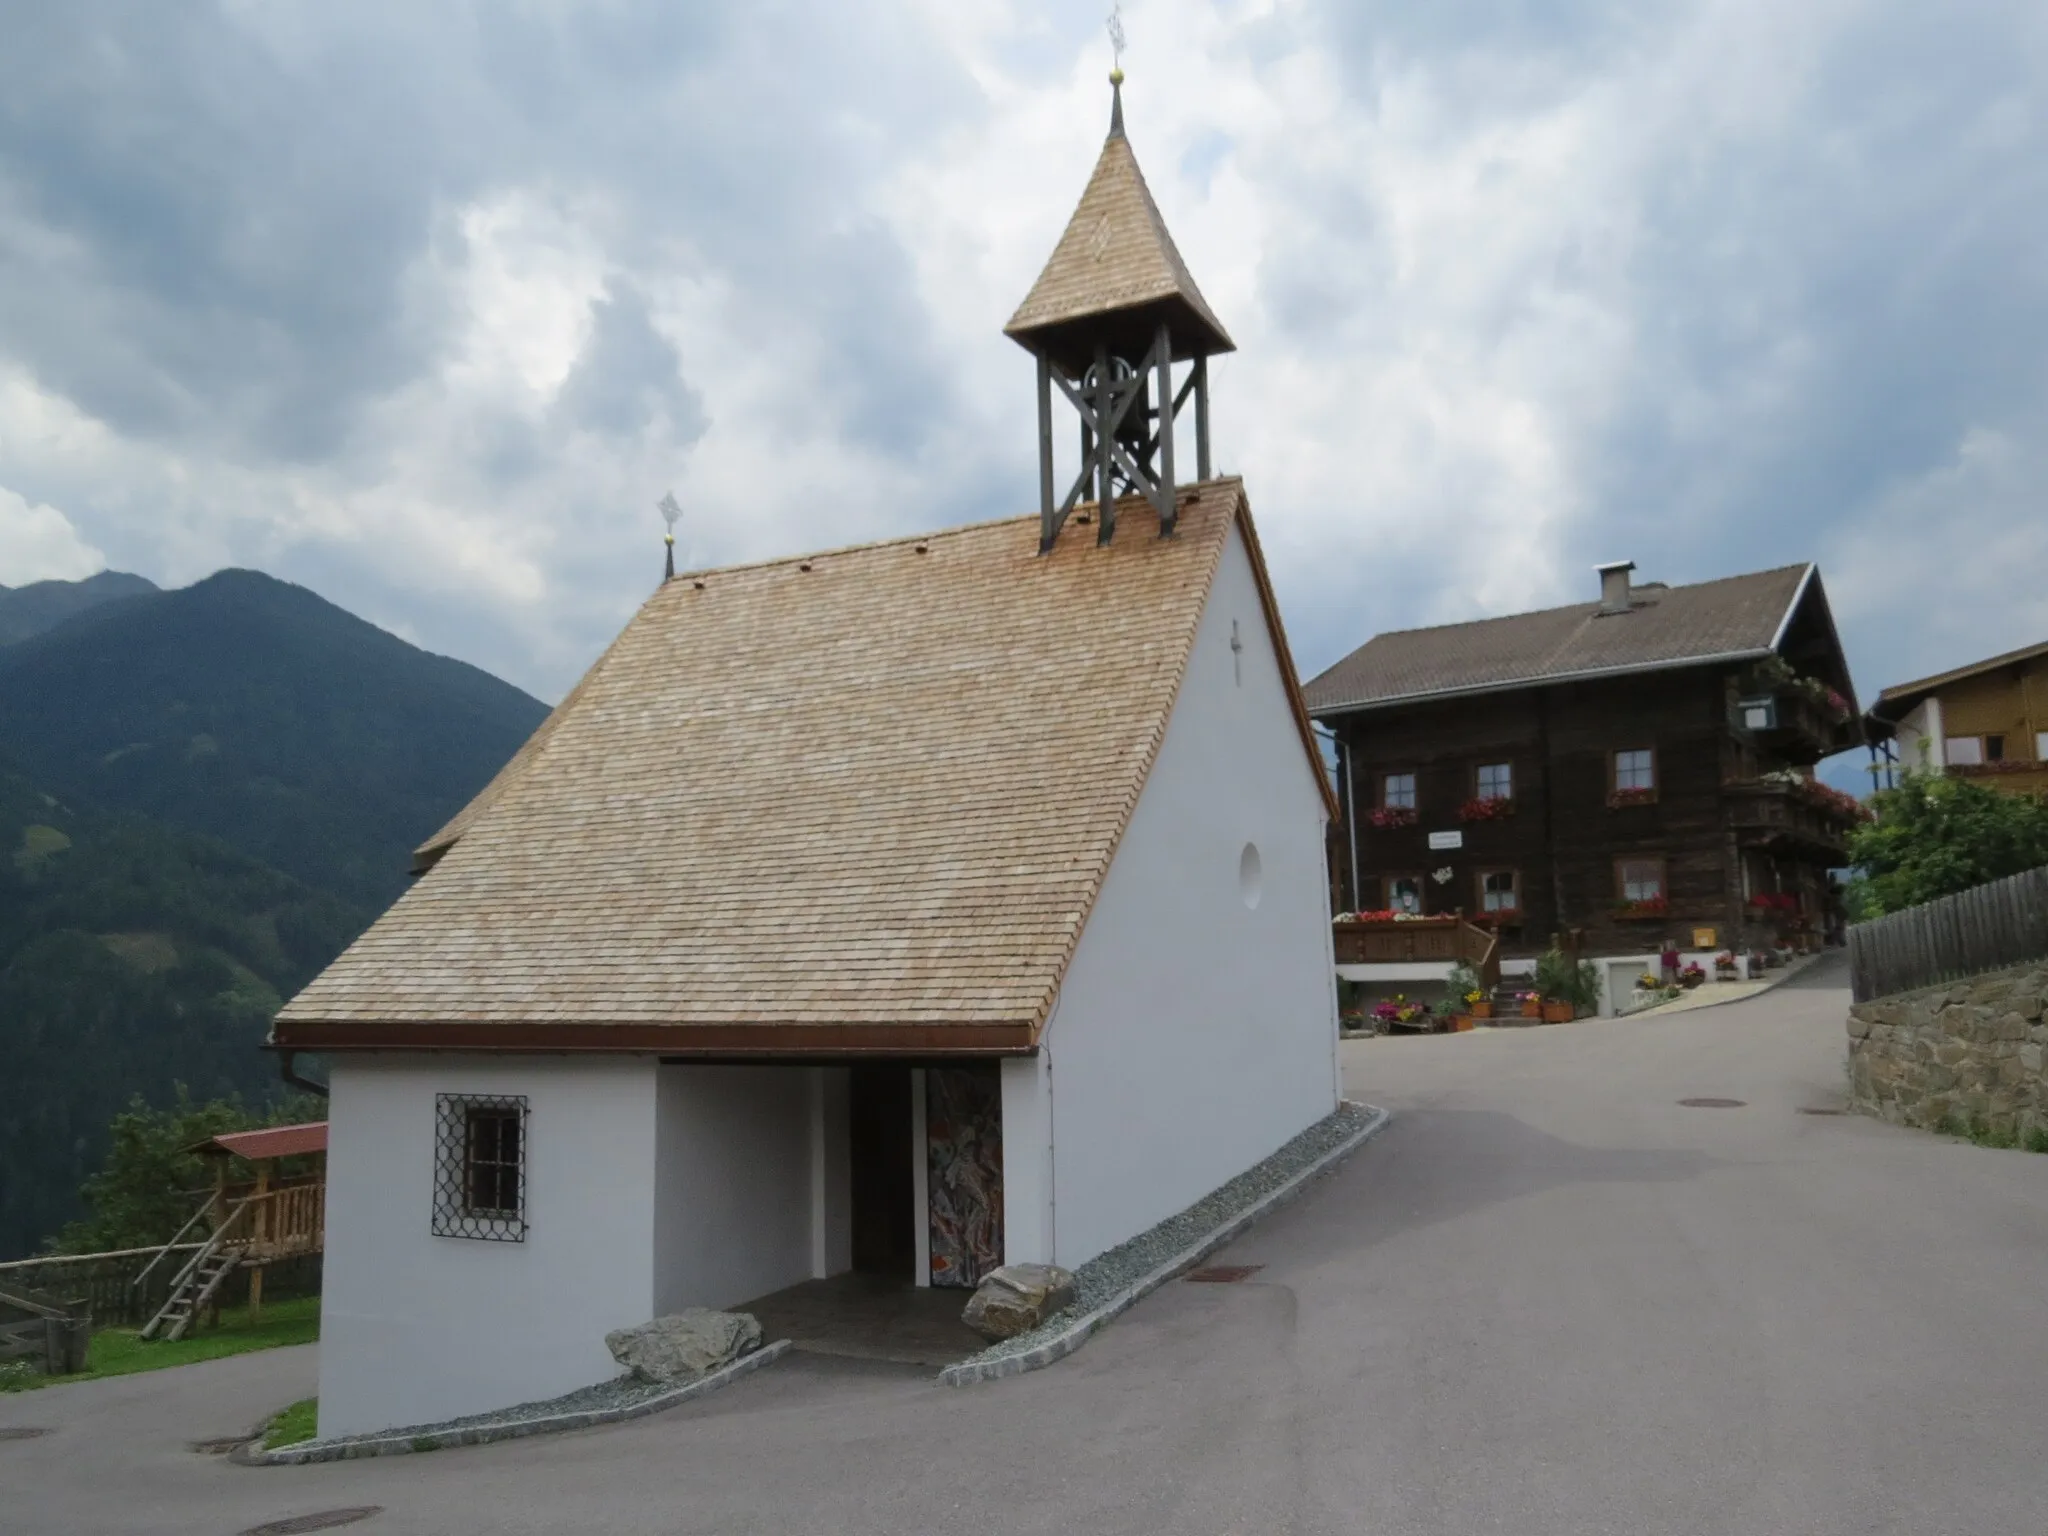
point(1111, 315)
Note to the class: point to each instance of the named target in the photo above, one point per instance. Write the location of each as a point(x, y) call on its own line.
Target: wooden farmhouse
point(1637, 769)
point(1987, 720)
point(903, 909)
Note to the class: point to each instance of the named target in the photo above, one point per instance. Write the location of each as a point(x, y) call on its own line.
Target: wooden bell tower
point(1111, 318)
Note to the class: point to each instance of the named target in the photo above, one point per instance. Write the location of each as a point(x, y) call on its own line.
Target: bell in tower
point(1110, 319)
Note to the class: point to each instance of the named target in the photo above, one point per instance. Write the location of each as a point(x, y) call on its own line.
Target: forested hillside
point(41, 605)
point(255, 712)
point(132, 957)
point(205, 795)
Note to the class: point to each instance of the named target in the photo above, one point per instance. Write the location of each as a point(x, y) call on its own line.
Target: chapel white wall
point(733, 1184)
point(1194, 1034)
point(417, 1328)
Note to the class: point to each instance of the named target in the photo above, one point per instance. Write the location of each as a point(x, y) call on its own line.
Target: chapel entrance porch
point(911, 1222)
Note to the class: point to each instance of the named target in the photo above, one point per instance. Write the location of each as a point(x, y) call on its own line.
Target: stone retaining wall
point(1966, 1053)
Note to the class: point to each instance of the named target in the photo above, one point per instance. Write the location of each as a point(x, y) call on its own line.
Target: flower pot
point(1482, 1010)
point(1460, 1022)
point(1533, 1008)
point(1558, 1013)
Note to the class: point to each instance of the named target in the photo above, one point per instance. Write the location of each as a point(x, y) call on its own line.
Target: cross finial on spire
point(1115, 27)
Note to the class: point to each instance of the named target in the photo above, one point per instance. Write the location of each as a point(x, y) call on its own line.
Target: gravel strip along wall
point(1111, 1282)
point(606, 1403)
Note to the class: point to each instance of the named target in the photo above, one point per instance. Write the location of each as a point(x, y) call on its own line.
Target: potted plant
point(1532, 1004)
point(1463, 993)
point(1558, 982)
point(1724, 965)
point(1692, 975)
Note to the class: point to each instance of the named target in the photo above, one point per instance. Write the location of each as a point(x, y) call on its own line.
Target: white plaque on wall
point(1446, 840)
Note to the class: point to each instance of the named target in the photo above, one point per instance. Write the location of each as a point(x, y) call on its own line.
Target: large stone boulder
point(1017, 1298)
point(684, 1345)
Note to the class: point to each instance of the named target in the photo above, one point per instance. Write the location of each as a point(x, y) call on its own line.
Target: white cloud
point(38, 543)
point(1715, 286)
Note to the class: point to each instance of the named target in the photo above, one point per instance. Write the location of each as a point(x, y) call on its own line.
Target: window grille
point(1399, 792)
point(480, 1166)
point(1496, 781)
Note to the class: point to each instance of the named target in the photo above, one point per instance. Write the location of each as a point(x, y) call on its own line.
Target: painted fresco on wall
point(964, 1137)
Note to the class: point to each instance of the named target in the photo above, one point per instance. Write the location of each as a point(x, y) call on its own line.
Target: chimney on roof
point(1614, 585)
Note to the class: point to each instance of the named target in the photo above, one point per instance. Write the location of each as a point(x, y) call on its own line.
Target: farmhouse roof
point(853, 802)
point(1667, 627)
point(1115, 258)
point(1901, 699)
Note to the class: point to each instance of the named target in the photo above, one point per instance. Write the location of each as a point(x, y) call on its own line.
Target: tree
point(150, 1183)
point(1936, 834)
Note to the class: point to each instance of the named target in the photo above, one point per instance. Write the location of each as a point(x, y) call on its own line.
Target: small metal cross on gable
point(1236, 653)
point(1115, 24)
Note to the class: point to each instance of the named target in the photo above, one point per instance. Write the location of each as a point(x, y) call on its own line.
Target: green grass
point(1984, 1135)
point(296, 1423)
point(120, 1352)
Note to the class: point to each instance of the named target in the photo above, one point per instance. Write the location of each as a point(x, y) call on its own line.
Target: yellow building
point(1988, 720)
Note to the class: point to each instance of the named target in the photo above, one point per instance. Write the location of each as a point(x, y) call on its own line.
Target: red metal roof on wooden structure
point(272, 1141)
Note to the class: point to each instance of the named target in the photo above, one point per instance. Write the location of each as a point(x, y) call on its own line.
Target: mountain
point(41, 605)
point(133, 956)
point(254, 712)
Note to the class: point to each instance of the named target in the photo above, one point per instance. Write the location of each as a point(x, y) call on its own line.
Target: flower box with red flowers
point(1616, 798)
point(1655, 906)
point(1774, 901)
point(1486, 808)
point(1394, 816)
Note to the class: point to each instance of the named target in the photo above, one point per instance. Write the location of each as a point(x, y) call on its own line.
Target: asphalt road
point(1547, 1300)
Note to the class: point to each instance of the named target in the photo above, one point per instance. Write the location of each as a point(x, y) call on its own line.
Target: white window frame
point(1387, 800)
point(1504, 781)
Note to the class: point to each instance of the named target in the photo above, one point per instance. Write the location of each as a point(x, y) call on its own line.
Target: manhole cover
point(324, 1520)
point(1712, 1103)
point(1223, 1274)
point(1823, 1111)
point(23, 1432)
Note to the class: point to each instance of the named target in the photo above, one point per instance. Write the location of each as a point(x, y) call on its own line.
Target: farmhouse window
point(1640, 879)
point(2041, 746)
point(1496, 781)
point(1404, 893)
point(1397, 792)
point(480, 1167)
point(1635, 769)
point(1994, 749)
point(1965, 751)
point(1500, 892)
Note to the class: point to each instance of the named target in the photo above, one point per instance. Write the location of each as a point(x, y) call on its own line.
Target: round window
point(1250, 878)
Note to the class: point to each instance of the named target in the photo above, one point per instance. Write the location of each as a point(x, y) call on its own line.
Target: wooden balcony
point(1790, 724)
point(1774, 813)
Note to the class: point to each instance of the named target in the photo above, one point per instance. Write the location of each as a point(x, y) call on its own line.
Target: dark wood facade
point(1722, 822)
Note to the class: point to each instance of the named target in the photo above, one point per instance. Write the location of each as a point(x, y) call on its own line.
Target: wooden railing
point(282, 1223)
point(1771, 809)
point(1424, 940)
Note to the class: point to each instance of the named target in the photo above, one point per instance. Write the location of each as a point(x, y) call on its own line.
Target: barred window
point(480, 1167)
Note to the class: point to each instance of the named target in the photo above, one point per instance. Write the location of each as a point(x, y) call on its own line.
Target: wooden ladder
point(200, 1280)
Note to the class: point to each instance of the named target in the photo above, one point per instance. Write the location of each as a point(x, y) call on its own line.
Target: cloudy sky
point(424, 305)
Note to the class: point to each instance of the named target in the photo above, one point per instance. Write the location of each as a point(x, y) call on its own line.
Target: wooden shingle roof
point(1667, 627)
point(860, 801)
point(1116, 264)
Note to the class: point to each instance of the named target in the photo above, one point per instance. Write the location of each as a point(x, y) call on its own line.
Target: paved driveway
point(1546, 1300)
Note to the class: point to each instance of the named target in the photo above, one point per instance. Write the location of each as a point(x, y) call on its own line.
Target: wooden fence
point(1981, 929)
point(106, 1281)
